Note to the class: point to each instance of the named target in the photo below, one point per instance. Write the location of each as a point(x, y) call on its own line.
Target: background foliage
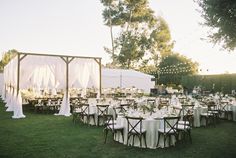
point(220, 16)
point(6, 57)
point(214, 83)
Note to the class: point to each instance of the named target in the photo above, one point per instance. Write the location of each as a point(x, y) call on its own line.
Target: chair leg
point(93, 116)
point(200, 120)
point(133, 141)
point(190, 137)
point(105, 134)
point(164, 141)
point(127, 141)
point(140, 139)
point(98, 121)
point(169, 139)
point(145, 141)
point(122, 134)
point(158, 140)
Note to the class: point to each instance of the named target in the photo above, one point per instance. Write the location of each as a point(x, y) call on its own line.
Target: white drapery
point(65, 106)
point(48, 72)
point(18, 111)
point(10, 101)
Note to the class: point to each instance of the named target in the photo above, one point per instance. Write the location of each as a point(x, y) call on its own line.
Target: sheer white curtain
point(48, 72)
point(79, 73)
point(84, 74)
point(18, 111)
point(65, 106)
point(94, 76)
point(7, 96)
point(42, 72)
point(10, 100)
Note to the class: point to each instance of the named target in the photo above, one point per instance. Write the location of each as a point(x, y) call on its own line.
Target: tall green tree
point(6, 57)
point(131, 47)
point(142, 34)
point(174, 66)
point(220, 16)
point(160, 41)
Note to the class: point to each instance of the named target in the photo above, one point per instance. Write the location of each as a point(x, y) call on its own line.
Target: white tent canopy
point(113, 78)
point(41, 71)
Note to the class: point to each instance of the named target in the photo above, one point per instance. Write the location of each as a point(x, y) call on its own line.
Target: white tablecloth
point(197, 113)
point(151, 126)
point(234, 112)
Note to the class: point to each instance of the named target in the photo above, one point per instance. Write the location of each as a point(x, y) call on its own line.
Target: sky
point(73, 27)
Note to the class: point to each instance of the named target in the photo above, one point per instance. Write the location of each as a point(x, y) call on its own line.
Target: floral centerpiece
point(148, 108)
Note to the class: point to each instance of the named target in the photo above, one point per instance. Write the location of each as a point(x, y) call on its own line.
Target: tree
point(220, 16)
point(160, 43)
point(108, 12)
point(6, 57)
point(174, 66)
point(142, 34)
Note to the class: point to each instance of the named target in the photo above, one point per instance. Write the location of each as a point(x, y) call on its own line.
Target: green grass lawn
point(46, 136)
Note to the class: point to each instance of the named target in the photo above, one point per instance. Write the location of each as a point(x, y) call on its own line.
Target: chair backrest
point(124, 107)
point(187, 109)
point(102, 109)
point(118, 110)
point(130, 101)
point(170, 124)
point(212, 106)
point(84, 108)
point(134, 124)
point(151, 102)
point(223, 105)
point(83, 100)
point(109, 121)
point(187, 113)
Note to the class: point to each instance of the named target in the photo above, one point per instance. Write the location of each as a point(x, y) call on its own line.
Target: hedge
point(215, 83)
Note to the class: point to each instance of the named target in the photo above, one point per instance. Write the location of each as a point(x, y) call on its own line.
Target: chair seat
point(182, 127)
point(169, 130)
point(138, 131)
point(88, 114)
point(183, 122)
point(110, 123)
point(77, 111)
point(214, 112)
point(206, 114)
point(116, 127)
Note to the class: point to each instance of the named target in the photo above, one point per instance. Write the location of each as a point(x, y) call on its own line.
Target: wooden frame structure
point(67, 59)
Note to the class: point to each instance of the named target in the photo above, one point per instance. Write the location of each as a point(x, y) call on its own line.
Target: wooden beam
point(97, 61)
point(54, 55)
point(63, 59)
point(21, 58)
point(71, 59)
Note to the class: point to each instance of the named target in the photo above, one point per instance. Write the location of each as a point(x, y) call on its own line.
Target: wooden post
point(67, 61)
point(67, 78)
point(18, 74)
point(100, 76)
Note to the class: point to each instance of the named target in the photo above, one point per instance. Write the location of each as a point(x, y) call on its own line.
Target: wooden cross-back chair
point(110, 125)
point(135, 129)
point(169, 129)
point(102, 110)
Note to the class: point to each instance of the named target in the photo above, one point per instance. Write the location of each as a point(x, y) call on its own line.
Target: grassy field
point(48, 136)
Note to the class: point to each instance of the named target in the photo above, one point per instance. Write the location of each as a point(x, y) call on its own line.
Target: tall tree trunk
point(111, 33)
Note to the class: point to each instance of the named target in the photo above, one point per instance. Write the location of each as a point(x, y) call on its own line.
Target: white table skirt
point(151, 127)
point(197, 112)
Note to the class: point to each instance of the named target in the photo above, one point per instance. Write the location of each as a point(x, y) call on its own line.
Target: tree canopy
point(220, 16)
point(174, 66)
point(142, 34)
point(6, 57)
